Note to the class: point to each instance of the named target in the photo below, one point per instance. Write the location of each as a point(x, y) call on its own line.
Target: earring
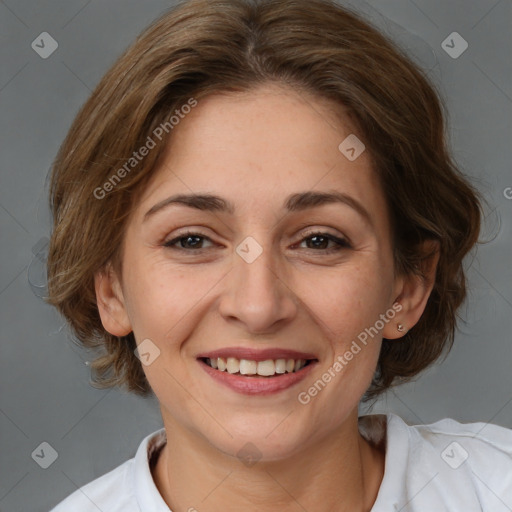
point(400, 327)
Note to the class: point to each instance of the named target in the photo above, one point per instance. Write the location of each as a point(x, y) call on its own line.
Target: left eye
point(320, 241)
point(187, 238)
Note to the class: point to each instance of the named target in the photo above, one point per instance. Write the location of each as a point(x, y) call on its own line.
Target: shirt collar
point(145, 490)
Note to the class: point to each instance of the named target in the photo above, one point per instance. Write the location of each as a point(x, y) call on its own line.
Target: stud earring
point(400, 327)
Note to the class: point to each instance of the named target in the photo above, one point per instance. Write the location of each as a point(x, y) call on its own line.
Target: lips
point(250, 371)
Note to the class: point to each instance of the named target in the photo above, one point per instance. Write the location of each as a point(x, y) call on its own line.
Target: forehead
point(256, 147)
point(268, 124)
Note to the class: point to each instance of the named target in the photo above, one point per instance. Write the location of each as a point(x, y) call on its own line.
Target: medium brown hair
point(203, 47)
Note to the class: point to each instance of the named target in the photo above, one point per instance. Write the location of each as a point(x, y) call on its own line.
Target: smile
point(257, 372)
point(267, 368)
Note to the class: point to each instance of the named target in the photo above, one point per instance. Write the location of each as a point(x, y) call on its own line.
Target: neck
point(342, 472)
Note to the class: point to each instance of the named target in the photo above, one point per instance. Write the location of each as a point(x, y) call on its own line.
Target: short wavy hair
point(203, 47)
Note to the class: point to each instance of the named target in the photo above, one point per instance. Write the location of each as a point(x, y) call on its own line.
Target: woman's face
point(267, 271)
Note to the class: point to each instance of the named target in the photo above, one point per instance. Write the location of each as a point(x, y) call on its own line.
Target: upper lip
point(256, 354)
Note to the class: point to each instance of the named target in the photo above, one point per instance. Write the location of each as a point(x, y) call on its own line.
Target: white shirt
point(444, 466)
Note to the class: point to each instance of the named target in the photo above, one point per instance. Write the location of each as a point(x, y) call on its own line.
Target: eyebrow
point(296, 202)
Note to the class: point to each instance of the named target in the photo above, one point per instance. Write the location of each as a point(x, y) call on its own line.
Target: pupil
point(318, 238)
point(188, 238)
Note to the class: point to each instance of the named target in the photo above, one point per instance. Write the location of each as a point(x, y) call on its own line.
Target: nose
point(256, 294)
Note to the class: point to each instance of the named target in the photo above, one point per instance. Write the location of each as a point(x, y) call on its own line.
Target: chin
point(270, 439)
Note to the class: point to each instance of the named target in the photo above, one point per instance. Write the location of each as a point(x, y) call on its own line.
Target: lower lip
point(254, 385)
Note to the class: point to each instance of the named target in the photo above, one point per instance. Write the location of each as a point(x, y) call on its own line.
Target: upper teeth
point(263, 368)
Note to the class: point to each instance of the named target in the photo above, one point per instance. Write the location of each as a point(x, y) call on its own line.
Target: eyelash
point(341, 242)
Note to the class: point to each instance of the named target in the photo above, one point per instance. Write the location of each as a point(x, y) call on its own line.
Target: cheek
point(349, 301)
point(164, 301)
point(349, 308)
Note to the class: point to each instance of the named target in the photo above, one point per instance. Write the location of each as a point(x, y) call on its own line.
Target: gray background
point(44, 390)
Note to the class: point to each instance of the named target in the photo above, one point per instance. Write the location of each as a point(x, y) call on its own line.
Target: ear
point(412, 292)
point(111, 303)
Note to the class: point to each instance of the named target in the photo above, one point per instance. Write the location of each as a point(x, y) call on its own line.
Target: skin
point(255, 149)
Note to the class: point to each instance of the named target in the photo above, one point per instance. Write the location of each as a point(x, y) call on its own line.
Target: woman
point(257, 219)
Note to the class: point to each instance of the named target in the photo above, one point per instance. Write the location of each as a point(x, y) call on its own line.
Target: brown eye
point(320, 241)
point(187, 241)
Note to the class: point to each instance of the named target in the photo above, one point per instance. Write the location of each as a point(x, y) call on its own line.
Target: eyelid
point(342, 242)
point(322, 231)
point(170, 243)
